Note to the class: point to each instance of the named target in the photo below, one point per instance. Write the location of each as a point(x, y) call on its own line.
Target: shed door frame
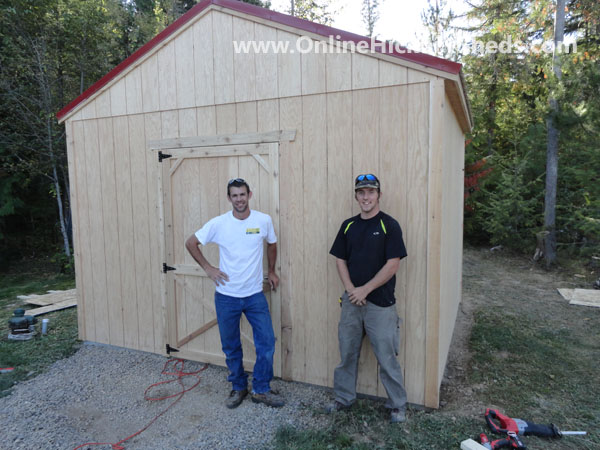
point(247, 144)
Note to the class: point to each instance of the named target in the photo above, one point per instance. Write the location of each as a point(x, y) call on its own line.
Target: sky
point(399, 20)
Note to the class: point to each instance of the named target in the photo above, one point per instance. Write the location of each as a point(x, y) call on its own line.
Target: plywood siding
point(199, 66)
point(452, 231)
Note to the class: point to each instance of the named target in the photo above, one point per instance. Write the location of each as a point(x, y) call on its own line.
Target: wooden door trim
point(274, 136)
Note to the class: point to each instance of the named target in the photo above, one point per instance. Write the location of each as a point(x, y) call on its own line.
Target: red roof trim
point(274, 16)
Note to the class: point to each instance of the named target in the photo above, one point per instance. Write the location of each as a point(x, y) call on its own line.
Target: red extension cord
point(180, 374)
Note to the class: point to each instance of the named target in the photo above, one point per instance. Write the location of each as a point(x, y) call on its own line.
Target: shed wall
point(353, 114)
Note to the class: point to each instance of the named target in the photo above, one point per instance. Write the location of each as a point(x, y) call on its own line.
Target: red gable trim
point(284, 19)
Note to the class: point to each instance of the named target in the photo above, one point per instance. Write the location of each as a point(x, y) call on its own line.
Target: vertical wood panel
point(243, 63)
point(126, 232)
point(289, 70)
point(118, 98)
point(133, 91)
point(393, 145)
point(266, 64)
point(434, 240)
point(167, 81)
point(89, 110)
point(184, 69)
point(339, 71)
point(314, 149)
point(207, 121)
point(96, 232)
point(390, 73)
point(416, 240)
point(152, 128)
point(313, 72)
point(111, 231)
point(292, 243)
point(141, 225)
point(203, 61)
point(150, 87)
point(81, 247)
point(223, 57)
point(365, 71)
point(340, 188)
point(103, 104)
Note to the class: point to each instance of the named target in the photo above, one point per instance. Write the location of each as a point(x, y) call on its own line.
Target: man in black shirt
point(368, 249)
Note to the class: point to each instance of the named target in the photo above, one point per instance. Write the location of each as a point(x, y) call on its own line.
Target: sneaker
point(268, 398)
point(235, 398)
point(335, 407)
point(398, 416)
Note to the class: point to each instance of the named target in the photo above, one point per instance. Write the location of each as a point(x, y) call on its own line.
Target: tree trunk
point(552, 145)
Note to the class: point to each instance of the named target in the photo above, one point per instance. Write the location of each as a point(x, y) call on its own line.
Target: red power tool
point(511, 441)
point(522, 427)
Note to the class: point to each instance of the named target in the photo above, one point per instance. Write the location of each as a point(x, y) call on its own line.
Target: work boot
point(235, 398)
point(335, 407)
point(398, 416)
point(268, 398)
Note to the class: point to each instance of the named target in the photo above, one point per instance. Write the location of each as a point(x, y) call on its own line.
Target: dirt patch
point(520, 286)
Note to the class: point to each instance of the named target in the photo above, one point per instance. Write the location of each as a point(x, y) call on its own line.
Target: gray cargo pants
point(382, 325)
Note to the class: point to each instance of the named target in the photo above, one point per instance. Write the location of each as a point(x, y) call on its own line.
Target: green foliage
point(509, 95)
point(313, 10)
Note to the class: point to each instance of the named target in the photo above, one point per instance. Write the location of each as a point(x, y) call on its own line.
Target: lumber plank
point(51, 308)
point(224, 138)
point(470, 444)
point(50, 298)
point(266, 66)
point(167, 80)
point(223, 57)
point(437, 193)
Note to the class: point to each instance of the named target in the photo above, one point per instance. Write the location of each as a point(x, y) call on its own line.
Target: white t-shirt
point(240, 249)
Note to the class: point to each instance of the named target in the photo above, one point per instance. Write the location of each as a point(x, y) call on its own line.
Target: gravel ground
point(97, 395)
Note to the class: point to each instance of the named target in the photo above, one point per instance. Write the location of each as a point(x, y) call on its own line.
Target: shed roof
point(453, 69)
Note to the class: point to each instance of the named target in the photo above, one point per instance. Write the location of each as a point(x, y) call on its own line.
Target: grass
point(30, 358)
point(534, 357)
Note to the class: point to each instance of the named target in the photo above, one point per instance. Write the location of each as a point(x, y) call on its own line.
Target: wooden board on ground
point(50, 298)
point(583, 297)
point(51, 308)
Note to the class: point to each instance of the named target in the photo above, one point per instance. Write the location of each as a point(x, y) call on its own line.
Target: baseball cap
point(366, 181)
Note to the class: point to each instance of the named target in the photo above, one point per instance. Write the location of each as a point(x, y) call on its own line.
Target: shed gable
point(194, 64)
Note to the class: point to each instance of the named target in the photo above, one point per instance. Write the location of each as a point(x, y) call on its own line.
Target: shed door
point(194, 190)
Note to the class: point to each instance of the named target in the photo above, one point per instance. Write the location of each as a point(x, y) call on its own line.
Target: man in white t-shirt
point(239, 234)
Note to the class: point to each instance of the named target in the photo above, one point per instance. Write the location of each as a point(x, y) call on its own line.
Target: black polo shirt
point(366, 245)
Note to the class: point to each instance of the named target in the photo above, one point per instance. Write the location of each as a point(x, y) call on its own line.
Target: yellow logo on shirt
point(252, 230)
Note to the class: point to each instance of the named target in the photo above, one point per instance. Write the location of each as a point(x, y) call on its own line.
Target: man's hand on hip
point(216, 275)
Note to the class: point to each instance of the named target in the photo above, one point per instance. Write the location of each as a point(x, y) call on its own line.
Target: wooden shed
point(152, 144)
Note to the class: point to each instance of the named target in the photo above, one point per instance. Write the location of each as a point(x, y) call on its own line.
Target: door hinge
point(171, 349)
point(162, 156)
point(167, 268)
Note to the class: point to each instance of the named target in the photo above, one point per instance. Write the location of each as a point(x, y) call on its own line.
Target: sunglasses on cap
point(236, 180)
point(367, 177)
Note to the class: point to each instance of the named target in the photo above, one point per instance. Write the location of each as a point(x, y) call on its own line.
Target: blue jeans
point(229, 312)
